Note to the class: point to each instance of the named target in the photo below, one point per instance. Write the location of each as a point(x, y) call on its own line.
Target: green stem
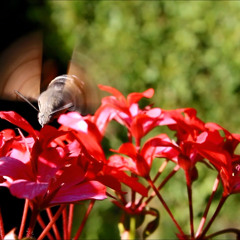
point(132, 232)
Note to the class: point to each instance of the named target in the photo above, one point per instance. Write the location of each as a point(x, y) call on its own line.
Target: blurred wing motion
point(90, 92)
point(20, 68)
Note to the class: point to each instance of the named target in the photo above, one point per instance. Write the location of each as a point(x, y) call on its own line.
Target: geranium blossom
point(127, 112)
point(219, 150)
point(140, 161)
point(110, 175)
point(46, 175)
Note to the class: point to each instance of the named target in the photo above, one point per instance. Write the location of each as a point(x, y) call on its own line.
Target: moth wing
point(86, 84)
point(20, 68)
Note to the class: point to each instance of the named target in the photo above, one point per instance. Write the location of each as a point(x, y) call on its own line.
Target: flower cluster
point(66, 165)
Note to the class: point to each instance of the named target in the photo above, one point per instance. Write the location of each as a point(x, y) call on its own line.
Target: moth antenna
point(66, 106)
point(26, 100)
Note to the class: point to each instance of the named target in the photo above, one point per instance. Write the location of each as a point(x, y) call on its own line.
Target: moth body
point(64, 93)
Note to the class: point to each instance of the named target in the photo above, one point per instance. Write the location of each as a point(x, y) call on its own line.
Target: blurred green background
point(188, 51)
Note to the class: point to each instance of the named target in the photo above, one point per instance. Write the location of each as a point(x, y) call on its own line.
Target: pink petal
point(79, 192)
point(49, 161)
point(27, 189)
point(14, 169)
point(103, 116)
point(74, 120)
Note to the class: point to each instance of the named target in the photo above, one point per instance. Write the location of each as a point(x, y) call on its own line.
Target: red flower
point(219, 150)
point(188, 127)
point(140, 161)
point(88, 135)
point(47, 173)
point(85, 131)
point(126, 111)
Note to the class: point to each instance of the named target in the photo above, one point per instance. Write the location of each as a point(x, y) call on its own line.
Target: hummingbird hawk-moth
point(21, 71)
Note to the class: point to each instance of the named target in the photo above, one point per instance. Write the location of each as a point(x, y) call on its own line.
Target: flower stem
point(43, 226)
point(55, 230)
point(222, 201)
point(189, 191)
point(171, 174)
point(165, 206)
point(33, 221)
point(2, 233)
point(162, 167)
point(204, 217)
point(79, 231)
point(24, 217)
point(65, 224)
point(228, 230)
point(70, 220)
point(53, 220)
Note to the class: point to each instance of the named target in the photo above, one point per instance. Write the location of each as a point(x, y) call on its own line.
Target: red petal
point(132, 182)
point(127, 149)
point(217, 156)
point(87, 133)
point(48, 134)
point(19, 121)
point(135, 97)
point(159, 146)
point(110, 181)
point(142, 124)
point(113, 91)
point(122, 163)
